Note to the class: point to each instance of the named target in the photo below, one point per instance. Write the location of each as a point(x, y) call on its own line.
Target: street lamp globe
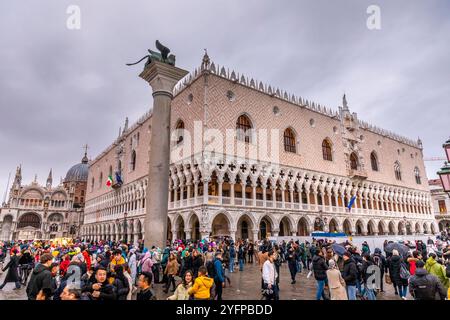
point(446, 147)
point(444, 174)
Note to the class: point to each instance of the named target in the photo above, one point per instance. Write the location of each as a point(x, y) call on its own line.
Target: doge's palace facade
point(223, 182)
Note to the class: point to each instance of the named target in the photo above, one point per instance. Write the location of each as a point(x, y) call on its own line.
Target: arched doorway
point(302, 228)
point(333, 226)
point(265, 228)
point(244, 228)
point(6, 228)
point(285, 228)
point(417, 228)
point(180, 228)
point(195, 228)
point(391, 228)
point(433, 229)
point(359, 228)
point(29, 227)
point(347, 227)
point(401, 228)
point(371, 228)
point(425, 228)
point(220, 226)
point(381, 231)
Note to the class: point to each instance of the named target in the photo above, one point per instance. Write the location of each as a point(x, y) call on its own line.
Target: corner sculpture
point(163, 56)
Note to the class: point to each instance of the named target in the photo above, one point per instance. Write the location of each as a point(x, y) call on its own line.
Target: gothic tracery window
point(289, 140)
point(417, 175)
point(244, 129)
point(354, 161)
point(374, 161)
point(326, 150)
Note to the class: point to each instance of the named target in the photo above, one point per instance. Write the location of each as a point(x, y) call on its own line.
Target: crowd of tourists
point(107, 270)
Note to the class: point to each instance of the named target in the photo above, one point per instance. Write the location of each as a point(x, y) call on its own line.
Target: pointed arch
point(290, 141)
point(244, 128)
point(347, 227)
point(179, 127)
point(303, 227)
point(374, 161)
point(354, 161)
point(397, 171)
point(327, 151)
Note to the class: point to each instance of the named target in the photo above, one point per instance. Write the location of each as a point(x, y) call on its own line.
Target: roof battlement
point(257, 85)
point(220, 71)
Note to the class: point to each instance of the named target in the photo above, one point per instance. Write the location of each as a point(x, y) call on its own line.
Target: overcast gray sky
point(61, 88)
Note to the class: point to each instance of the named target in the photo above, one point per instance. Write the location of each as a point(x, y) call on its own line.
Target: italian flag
point(109, 182)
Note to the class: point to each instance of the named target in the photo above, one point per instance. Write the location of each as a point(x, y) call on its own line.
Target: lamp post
point(444, 173)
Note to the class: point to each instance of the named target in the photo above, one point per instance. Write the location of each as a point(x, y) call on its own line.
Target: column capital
point(162, 77)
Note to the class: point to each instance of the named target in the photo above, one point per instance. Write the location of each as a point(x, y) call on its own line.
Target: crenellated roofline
point(299, 101)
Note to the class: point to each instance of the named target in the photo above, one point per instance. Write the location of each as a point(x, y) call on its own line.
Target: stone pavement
point(244, 286)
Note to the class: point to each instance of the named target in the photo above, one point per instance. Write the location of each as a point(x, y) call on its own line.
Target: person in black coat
point(320, 268)
point(121, 283)
point(379, 260)
point(12, 267)
point(292, 263)
point(41, 283)
point(197, 262)
point(350, 275)
point(395, 264)
point(25, 266)
point(425, 286)
point(99, 288)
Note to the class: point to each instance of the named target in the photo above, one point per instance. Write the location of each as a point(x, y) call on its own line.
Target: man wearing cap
point(425, 286)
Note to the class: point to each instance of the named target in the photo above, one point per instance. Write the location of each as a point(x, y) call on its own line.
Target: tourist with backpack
point(380, 261)
point(398, 272)
point(425, 286)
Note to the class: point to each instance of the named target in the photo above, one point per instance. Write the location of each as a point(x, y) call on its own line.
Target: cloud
point(62, 88)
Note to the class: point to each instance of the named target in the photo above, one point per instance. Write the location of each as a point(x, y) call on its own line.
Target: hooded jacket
point(41, 279)
point(438, 270)
point(424, 286)
point(201, 288)
point(350, 272)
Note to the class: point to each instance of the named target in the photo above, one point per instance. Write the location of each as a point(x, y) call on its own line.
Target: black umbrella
point(401, 248)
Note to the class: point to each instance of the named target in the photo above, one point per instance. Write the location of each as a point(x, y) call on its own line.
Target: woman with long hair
point(181, 292)
point(171, 271)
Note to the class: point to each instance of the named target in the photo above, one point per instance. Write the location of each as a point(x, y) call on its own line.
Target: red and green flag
point(109, 182)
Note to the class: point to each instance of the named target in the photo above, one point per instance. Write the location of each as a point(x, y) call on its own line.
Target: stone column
point(162, 77)
point(232, 191)
point(188, 191)
point(195, 191)
point(174, 235)
point(205, 190)
point(255, 234)
point(220, 182)
point(283, 196)
point(274, 196)
point(254, 194)
point(243, 185)
point(135, 238)
point(264, 187)
point(204, 235)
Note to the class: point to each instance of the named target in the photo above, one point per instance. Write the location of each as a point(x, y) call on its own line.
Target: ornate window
point(92, 183)
point(100, 180)
point(417, 175)
point(397, 171)
point(54, 228)
point(374, 161)
point(354, 161)
point(326, 150)
point(110, 171)
point(133, 160)
point(180, 131)
point(244, 129)
point(289, 140)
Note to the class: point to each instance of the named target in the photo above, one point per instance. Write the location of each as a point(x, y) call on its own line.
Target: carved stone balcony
point(358, 173)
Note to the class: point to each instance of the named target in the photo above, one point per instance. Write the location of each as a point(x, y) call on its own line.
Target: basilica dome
point(78, 172)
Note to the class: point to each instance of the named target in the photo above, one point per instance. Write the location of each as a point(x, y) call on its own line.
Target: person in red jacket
point(64, 264)
point(412, 262)
point(87, 259)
